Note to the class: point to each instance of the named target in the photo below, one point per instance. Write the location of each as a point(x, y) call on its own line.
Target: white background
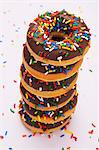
point(14, 20)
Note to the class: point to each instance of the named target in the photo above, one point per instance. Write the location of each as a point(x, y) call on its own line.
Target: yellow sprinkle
point(39, 118)
point(65, 28)
point(66, 48)
point(51, 28)
point(58, 82)
point(44, 118)
point(37, 43)
point(26, 95)
point(60, 61)
point(35, 112)
point(53, 24)
point(64, 66)
point(55, 117)
point(67, 21)
point(55, 19)
point(46, 67)
point(32, 120)
point(68, 132)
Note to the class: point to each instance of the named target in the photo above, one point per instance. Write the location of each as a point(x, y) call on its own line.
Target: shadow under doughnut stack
point(56, 45)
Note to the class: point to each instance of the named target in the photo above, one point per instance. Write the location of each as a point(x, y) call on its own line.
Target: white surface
point(14, 21)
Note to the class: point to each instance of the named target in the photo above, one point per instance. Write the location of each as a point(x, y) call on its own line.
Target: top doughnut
point(58, 38)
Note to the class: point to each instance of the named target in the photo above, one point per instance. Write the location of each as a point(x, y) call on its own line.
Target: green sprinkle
point(38, 53)
point(42, 16)
point(63, 148)
point(12, 111)
point(90, 70)
point(60, 19)
point(33, 123)
point(80, 50)
point(66, 54)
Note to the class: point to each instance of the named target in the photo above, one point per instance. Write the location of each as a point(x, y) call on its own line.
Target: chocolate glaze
point(58, 112)
point(46, 86)
point(52, 101)
point(55, 53)
point(39, 125)
point(38, 66)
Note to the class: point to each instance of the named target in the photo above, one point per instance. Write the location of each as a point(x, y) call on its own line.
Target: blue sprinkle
point(61, 69)
point(76, 19)
point(6, 133)
point(30, 135)
point(70, 107)
point(4, 62)
point(39, 105)
point(62, 135)
point(62, 128)
point(10, 148)
point(62, 115)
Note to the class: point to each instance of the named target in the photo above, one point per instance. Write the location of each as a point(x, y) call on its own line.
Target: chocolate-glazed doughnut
point(58, 38)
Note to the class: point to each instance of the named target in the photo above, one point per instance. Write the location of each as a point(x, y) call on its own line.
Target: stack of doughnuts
point(54, 50)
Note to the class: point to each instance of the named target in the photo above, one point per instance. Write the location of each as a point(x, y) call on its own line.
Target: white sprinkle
point(45, 36)
point(79, 34)
point(51, 49)
point(61, 122)
point(40, 88)
point(60, 42)
point(57, 99)
point(63, 21)
point(59, 58)
point(46, 48)
point(48, 42)
point(76, 44)
point(30, 80)
point(81, 20)
point(40, 98)
point(61, 111)
point(84, 37)
point(44, 64)
point(52, 113)
point(46, 72)
point(64, 87)
point(74, 48)
point(48, 105)
point(48, 17)
point(87, 32)
point(35, 22)
point(30, 61)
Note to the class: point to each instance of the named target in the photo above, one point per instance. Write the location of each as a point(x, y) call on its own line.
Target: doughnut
point(48, 72)
point(50, 116)
point(58, 38)
point(41, 103)
point(38, 127)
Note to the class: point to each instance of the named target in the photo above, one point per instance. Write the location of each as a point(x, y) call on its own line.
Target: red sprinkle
point(93, 125)
point(97, 148)
point(14, 105)
point(1, 137)
point(91, 132)
point(14, 81)
point(24, 135)
point(49, 136)
point(73, 137)
point(34, 134)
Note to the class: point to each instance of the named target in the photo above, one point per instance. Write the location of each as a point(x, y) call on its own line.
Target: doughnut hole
point(56, 36)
